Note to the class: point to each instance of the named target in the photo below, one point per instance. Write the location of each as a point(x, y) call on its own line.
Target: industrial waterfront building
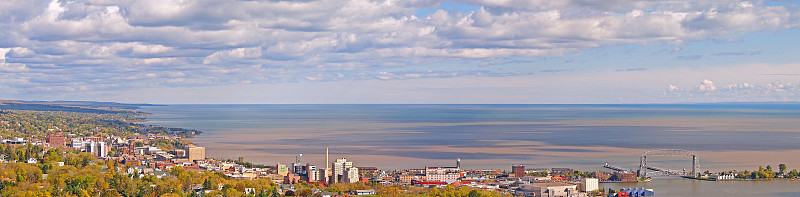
point(589, 184)
point(547, 189)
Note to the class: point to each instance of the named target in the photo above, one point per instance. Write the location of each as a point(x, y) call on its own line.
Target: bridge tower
point(670, 152)
point(643, 166)
point(695, 167)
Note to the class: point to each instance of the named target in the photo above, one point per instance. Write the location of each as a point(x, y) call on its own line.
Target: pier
point(615, 168)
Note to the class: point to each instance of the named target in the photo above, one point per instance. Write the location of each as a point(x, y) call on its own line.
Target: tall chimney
point(327, 169)
point(326, 158)
point(458, 163)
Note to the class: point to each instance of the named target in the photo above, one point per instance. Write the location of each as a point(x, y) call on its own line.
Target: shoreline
point(247, 139)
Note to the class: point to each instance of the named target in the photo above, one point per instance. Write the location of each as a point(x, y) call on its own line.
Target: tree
point(474, 193)
point(275, 193)
point(207, 185)
point(782, 168)
point(305, 192)
point(794, 173)
point(769, 168)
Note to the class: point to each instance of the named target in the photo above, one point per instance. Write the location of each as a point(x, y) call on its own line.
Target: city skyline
point(473, 51)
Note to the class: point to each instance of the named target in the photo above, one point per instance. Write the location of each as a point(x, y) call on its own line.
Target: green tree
point(794, 173)
point(275, 193)
point(207, 185)
point(782, 168)
point(474, 193)
point(305, 192)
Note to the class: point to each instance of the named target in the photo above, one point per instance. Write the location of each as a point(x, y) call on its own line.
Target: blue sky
point(416, 51)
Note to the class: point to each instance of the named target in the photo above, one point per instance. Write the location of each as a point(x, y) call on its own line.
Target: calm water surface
point(686, 187)
point(726, 136)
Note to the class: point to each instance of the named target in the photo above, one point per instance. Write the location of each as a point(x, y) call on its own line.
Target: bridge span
point(656, 171)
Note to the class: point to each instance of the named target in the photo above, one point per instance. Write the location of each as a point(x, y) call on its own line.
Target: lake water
point(724, 136)
point(687, 187)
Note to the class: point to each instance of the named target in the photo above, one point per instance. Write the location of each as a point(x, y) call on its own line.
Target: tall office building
point(312, 173)
point(589, 184)
point(97, 148)
point(91, 147)
point(297, 166)
point(351, 176)
point(519, 170)
point(102, 149)
point(282, 170)
point(195, 153)
point(340, 166)
point(323, 176)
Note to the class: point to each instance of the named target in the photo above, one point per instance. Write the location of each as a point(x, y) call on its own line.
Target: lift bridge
point(660, 172)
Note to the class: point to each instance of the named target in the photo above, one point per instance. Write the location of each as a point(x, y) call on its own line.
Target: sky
point(413, 51)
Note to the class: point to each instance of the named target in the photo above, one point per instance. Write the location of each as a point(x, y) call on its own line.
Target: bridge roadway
point(660, 172)
point(656, 171)
point(615, 168)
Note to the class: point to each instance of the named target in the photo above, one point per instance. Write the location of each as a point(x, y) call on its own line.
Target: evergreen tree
point(207, 185)
point(275, 193)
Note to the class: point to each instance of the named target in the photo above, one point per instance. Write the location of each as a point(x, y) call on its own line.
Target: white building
point(77, 144)
point(97, 148)
point(547, 189)
point(313, 175)
point(352, 175)
point(365, 192)
point(440, 174)
point(723, 177)
point(589, 184)
point(340, 167)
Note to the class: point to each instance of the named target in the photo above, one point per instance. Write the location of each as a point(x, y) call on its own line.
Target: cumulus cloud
point(672, 88)
point(3, 52)
point(737, 92)
point(706, 86)
point(13, 67)
point(89, 43)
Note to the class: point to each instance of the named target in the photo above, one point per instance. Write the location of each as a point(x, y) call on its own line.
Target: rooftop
point(550, 184)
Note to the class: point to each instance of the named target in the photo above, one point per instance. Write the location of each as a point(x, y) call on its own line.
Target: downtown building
point(194, 153)
point(342, 171)
point(56, 140)
point(444, 174)
point(93, 145)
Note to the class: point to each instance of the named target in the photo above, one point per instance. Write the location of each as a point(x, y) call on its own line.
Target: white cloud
point(706, 86)
point(233, 54)
point(157, 11)
point(672, 88)
point(219, 42)
point(160, 60)
point(3, 52)
point(13, 67)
